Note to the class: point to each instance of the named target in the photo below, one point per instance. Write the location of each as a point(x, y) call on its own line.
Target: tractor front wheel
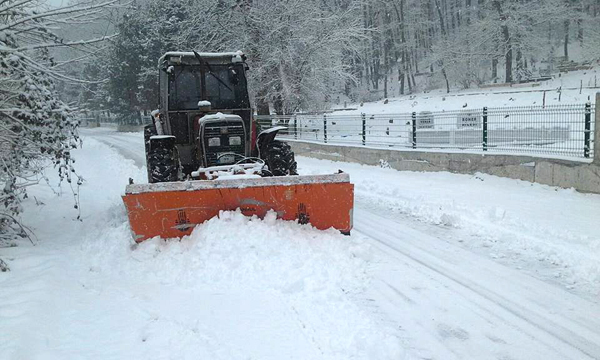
point(280, 159)
point(162, 160)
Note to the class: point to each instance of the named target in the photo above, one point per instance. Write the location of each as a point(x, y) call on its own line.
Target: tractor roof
point(188, 58)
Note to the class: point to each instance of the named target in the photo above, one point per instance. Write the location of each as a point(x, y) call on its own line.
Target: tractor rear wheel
point(280, 159)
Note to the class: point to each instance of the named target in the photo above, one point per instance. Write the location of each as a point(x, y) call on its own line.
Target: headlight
point(235, 140)
point(214, 141)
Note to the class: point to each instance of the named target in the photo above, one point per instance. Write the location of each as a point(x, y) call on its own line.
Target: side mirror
point(169, 70)
point(234, 76)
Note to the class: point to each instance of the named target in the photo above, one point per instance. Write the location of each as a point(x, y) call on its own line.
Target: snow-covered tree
point(298, 50)
point(36, 127)
point(146, 32)
point(304, 53)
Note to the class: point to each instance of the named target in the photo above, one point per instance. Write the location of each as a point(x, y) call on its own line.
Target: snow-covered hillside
point(439, 266)
point(559, 90)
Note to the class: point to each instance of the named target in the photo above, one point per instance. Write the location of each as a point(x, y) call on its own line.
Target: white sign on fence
point(425, 120)
point(468, 119)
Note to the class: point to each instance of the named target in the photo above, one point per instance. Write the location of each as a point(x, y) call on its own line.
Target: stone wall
point(582, 176)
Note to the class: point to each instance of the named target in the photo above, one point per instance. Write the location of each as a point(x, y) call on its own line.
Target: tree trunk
point(416, 62)
point(507, 41)
point(508, 62)
point(519, 61)
point(450, 9)
point(385, 86)
point(388, 40)
point(262, 105)
point(410, 87)
point(367, 58)
point(441, 16)
point(456, 5)
point(402, 67)
point(278, 105)
point(376, 51)
point(446, 78)
point(468, 9)
point(566, 47)
point(401, 79)
point(443, 30)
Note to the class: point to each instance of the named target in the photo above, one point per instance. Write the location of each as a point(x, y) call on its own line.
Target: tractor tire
point(162, 164)
point(280, 159)
point(149, 130)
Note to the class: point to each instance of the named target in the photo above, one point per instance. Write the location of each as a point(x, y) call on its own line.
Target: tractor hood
point(219, 117)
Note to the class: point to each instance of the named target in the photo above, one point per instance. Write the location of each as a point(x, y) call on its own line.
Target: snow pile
point(233, 250)
point(316, 276)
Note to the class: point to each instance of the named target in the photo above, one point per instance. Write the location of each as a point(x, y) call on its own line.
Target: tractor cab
point(205, 107)
point(187, 78)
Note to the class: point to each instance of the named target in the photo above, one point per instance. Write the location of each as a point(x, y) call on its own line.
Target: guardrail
point(556, 130)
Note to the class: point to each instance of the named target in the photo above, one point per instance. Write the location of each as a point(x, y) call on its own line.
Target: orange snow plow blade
point(173, 209)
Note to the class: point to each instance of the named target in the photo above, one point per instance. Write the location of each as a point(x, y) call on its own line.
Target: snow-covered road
point(459, 305)
point(439, 266)
point(127, 144)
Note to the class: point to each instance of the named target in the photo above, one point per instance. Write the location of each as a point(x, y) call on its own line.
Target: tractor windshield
point(224, 87)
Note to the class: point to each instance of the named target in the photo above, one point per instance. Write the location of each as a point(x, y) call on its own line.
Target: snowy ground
point(439, 266)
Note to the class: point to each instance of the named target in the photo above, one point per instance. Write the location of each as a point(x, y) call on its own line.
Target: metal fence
point(134, 119)
point(557, 130)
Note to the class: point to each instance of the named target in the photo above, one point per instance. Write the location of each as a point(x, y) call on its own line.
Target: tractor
point(205, 153)
point(205, 120)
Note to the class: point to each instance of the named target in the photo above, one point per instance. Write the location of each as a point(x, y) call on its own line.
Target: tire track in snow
point(504, 303)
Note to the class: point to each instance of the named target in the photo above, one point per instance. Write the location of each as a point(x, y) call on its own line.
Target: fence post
point(597, 131)
point(587, 132)
point(414, 130)
point(325, 128)
point(364, 128)
point(485, 128)
point(296, 127)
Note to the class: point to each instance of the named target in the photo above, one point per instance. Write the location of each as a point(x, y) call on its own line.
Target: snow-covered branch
point(60, 44)
point(67, 10)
